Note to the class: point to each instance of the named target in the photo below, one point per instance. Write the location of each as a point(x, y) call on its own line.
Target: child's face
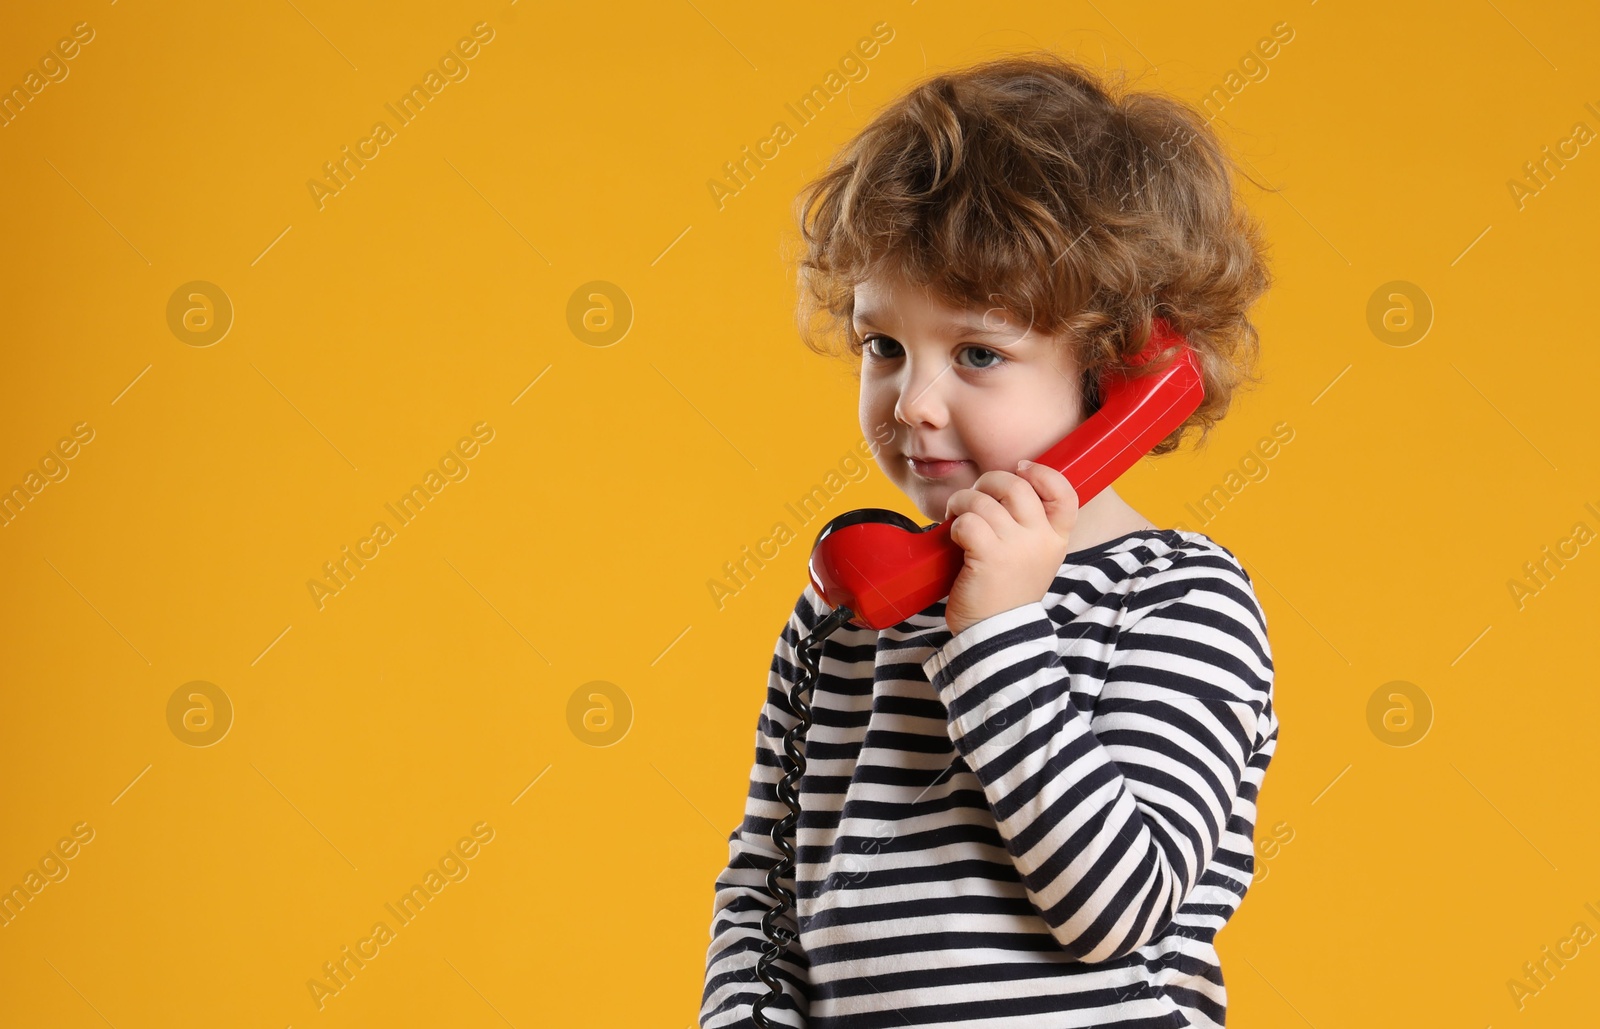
point(950, 389)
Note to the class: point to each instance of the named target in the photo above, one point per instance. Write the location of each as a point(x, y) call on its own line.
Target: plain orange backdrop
point(544, 250)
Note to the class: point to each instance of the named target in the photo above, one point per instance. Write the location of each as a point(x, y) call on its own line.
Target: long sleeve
point(742, 898)
point(1111, 818)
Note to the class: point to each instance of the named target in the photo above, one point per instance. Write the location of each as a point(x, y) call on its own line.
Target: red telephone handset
point(885, 568)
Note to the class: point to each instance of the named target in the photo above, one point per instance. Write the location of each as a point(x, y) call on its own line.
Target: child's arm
point(742, 897)
point(1111, 820)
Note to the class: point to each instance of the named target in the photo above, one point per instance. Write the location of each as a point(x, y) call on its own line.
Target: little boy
point(1033, 803)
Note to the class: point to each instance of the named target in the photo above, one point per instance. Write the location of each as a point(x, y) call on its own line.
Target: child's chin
point(933, 512)
point(930, 498)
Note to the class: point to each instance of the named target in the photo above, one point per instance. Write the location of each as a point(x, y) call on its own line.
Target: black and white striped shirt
point(1042, 821)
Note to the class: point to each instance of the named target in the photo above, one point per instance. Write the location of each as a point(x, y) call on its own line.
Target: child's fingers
point(1019, 503)
point(979, 507)
point(972, 533)
point(1056, 495)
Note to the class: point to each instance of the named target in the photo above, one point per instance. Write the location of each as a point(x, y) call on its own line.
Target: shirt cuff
point(977, 669)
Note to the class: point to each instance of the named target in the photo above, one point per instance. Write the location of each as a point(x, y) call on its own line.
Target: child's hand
point(1013, 529)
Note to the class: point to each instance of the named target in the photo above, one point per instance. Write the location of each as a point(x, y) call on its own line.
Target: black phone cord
point(810, 653)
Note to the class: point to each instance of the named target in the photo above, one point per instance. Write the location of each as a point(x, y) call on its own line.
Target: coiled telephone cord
point(810, 653)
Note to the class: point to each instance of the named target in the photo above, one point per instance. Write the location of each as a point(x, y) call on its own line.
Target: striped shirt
point(1041, 821)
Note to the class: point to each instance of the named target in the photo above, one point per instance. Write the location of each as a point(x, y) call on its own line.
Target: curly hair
point(1085, 208)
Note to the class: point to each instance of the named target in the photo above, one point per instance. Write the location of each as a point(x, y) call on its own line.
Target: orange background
point(447, 684)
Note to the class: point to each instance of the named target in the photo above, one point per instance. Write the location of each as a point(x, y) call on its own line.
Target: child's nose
point(921, 399)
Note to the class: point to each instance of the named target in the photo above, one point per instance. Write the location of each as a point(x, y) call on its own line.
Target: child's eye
point(998, 360)
point(986, 358)
point(867, 343)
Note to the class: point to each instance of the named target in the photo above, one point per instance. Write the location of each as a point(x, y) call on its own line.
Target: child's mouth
point(935, 469)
